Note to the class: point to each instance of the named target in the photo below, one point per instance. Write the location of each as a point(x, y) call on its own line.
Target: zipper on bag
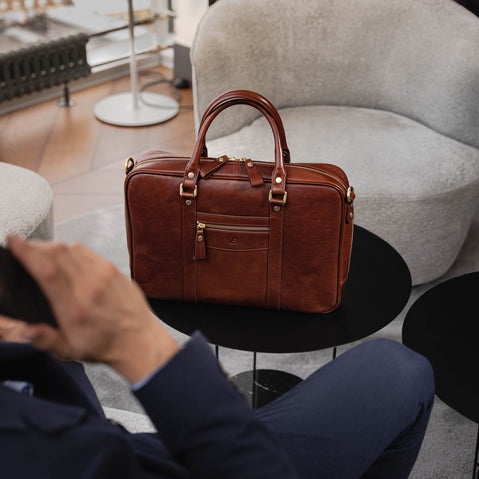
point(200, 237)
point(215, 226)
point(242, 160)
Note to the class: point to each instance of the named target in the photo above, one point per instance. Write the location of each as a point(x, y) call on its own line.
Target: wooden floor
point(82, 157)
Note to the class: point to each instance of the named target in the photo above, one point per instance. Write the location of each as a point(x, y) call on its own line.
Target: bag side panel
point(312, 241)
point(155, 231)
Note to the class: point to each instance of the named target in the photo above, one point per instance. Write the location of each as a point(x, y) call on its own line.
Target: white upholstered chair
point(26, 201)
point(386, 89)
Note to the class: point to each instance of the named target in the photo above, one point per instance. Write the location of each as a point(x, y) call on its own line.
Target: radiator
point(41, 66)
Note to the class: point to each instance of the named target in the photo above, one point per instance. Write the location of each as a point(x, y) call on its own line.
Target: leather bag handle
point(241, 97)
point(234, 98)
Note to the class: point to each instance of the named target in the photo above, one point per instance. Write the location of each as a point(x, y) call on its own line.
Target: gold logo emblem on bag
point(233, 240)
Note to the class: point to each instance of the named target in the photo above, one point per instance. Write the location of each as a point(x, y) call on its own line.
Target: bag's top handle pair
point(241, 97)
point(246, 97)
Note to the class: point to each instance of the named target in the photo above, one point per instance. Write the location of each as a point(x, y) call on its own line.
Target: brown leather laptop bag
point(239, 231)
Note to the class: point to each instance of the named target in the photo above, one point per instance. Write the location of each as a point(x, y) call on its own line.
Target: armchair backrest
point(417, 58)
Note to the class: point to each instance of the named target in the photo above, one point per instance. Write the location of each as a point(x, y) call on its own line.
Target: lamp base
point(152, 108)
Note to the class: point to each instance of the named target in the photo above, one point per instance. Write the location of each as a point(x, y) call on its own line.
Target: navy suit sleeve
point(205, 423)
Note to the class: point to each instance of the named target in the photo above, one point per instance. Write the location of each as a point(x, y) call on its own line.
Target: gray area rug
point(448, 449)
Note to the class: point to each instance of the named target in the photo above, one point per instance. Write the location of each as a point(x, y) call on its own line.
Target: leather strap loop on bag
point(243, 97)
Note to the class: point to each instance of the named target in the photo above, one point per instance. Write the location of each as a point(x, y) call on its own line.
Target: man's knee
point(403, 365)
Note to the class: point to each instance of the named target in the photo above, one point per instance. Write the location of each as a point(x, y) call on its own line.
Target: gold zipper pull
point(200, 246)
point(254, 175)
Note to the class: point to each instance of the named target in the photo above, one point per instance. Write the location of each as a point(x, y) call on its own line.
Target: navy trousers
point(362, 415)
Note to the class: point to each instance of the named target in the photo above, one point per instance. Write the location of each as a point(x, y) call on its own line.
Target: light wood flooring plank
point(74, 138)
point(82, 157)
point(176, 138)
point(25, 135)
point(117, 143)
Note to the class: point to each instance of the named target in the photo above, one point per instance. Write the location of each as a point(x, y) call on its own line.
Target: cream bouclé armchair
point(27, 204)
point(386, 89)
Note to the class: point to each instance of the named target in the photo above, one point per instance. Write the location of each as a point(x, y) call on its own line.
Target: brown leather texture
point(274, 235)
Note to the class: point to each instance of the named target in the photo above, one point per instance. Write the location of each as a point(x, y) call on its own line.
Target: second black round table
point(442, 325)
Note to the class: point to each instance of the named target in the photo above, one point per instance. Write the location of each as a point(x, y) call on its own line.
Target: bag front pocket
point(232, 261)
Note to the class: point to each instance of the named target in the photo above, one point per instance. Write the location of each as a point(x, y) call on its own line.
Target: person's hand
point(12, 331)
point(102, 315)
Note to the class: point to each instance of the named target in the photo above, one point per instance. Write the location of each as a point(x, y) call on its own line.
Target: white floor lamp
point(129, 109)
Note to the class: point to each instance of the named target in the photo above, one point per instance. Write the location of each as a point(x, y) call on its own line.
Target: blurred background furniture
point(442, 325)
point(389, 91)
point(131, 108)
point(27, 204)
point(45, 28)
point(44, 65)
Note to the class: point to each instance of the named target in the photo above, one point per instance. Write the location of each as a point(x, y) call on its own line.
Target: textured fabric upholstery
point(417, 58)
point(396, 169)
point(388, 90)
point(27, 204)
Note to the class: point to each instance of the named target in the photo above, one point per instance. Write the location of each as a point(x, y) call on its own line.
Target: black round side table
point(378, 287)
point(442, 326)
